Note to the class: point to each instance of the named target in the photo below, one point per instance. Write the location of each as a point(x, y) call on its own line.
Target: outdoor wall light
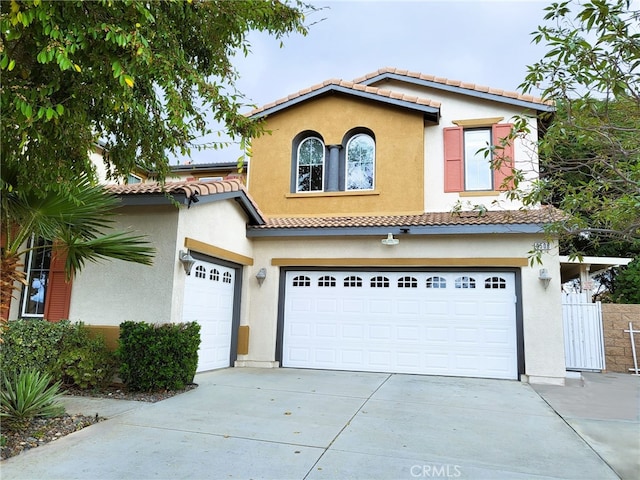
point(187, 261)
point(545, 277)
point(261, 275)
point(390, 240)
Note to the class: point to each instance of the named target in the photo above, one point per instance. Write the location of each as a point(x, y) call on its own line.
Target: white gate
point(583, 336)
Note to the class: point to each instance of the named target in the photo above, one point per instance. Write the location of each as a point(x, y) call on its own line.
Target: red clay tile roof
point(356, 85)
point(453, 83)
point(505, 217)
point(185, 187)
point(350, 86)
point(188, 188)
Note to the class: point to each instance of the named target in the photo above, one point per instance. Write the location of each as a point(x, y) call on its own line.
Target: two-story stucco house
point(343, 250)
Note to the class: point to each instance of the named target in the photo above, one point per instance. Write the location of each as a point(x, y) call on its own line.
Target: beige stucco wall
point(121, 285)
point(436, 200)
point(542, 314)
point(399, 159)
point(109, 292)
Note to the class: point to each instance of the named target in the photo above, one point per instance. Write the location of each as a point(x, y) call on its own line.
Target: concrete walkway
point(604, 409)
point(307, 424)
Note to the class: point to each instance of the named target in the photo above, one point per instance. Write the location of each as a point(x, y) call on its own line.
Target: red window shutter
point(58, 297)
point(505, 154)
point(453, 160)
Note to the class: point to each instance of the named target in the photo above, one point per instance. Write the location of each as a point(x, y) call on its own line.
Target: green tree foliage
point(144, 77)
point(590, 150)
point(626, 283)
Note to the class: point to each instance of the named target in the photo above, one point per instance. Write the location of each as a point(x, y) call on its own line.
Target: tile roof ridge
point(352, 85)
point(453, 83)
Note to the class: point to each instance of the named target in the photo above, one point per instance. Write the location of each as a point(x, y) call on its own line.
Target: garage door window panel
point(408, 282)
point(436, 282)
point(353, 281)
point(465, 282)
point(301, 281)
point(379, 282)
point(214, 275)
point(327, 281)
point(495, 283)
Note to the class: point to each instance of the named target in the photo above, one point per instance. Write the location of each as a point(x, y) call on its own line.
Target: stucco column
point(333, 168)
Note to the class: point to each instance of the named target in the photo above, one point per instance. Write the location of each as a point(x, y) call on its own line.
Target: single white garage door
point(208, 300)
point(445, 323)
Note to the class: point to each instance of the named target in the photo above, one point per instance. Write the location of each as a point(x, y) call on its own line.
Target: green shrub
point(84, 361)
point(64, 350)
point(31, 344)
point(26, 396)
point(158, 357)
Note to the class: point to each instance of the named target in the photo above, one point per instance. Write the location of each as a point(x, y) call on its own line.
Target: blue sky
point(487, 42)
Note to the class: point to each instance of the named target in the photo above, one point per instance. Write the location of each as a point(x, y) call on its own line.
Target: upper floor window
point(477, 166)
point(310, 165)
point(360, 163)
point(467, 167)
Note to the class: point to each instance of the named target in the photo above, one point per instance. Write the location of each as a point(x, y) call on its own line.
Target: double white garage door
point(208, 300)
point(438, 323)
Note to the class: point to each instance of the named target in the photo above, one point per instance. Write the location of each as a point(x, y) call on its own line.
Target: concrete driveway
point(308, 424)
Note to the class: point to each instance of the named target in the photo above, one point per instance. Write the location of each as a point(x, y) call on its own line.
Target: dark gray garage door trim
point(518, 288)
point(237, 294)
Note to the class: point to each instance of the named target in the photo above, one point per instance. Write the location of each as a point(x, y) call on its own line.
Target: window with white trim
point(310, 165)
point(38, 264)
point(478, 174)
point(360, 162)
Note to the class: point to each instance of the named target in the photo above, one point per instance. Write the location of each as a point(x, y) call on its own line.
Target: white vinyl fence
point(583, 336)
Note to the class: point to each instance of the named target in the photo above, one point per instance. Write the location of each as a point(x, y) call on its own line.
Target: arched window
point(310, 165)
point(360, 162)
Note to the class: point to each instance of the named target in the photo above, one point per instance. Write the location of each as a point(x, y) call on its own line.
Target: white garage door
point(208, 300)
point(446, 323)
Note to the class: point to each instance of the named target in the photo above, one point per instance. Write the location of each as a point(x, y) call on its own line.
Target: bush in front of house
point(63, 350)
point(31, 344)
point(158, 357)
point(85, 361)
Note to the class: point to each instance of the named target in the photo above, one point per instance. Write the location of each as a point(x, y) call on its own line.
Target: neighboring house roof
point(458, 86)
point(188, 193)
point(214, 166)
point(363, 87)
point(506, 221)
point(430, 108)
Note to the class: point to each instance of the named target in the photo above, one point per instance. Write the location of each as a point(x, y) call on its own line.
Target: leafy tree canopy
point(590, 150)
point(143, 77)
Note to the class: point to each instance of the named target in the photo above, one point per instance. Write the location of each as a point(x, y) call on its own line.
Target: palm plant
point(75, 219)
point(26, 396)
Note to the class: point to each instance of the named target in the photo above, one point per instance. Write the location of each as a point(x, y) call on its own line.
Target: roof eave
point(430, 112)
point(516, 228)
point(541, 107)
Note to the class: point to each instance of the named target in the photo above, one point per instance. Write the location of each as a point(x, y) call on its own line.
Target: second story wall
point(398, 171)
